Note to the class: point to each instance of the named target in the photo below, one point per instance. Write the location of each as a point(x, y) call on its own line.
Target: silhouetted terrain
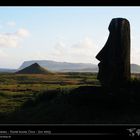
point(58, 66)
point(64, 67)
point(86, 104)
point(71, 67)
point(3, 70)
point(33, 69)
point(66, 98)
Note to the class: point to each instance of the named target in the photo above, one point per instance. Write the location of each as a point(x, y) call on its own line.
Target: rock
point(114, 66)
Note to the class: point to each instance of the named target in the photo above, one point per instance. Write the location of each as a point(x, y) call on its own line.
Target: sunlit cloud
point(3, 54)
point(13, 39)
point(22, 33)
point(11, 23)
point(8, 40)
point(84, 51)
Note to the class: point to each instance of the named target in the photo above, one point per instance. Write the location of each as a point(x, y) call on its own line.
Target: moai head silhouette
point(114, 66)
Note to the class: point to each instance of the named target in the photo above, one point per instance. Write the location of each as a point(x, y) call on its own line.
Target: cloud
point(3, 54)
point(11, 23)
point(8, 40)
point(84, 51)
point(86, 43)
point(13, 39)
point(22, 33)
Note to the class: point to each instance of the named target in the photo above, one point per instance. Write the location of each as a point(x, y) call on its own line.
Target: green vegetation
point(17, 89)
point(66, 98)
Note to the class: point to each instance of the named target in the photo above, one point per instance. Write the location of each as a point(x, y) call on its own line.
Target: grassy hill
point(16, 89)
point(33, 69)
point(82, 105)
point(63, 98)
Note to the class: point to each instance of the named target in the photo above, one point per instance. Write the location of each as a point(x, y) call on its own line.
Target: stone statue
point(114, 66)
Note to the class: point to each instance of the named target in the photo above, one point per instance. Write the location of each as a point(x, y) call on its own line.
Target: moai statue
point(114, 66)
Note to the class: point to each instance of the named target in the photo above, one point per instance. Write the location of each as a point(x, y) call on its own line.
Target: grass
point(66, 98)
point(85, 104)
point(17, 89)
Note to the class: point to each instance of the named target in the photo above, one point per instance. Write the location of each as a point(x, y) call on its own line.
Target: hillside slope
point(83, 105)
point(33, 69)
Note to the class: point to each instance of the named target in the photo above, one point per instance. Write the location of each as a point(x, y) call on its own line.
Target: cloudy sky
point(70, 34)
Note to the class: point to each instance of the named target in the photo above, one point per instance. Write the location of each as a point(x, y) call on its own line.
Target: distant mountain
point(33, 69)
point(65, 66)
point(135, 68)
point(4, 70)
point(71, 67)
point(81, 70)
point(60, 66)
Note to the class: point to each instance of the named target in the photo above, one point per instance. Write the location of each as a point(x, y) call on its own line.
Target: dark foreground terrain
point(75, 103)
